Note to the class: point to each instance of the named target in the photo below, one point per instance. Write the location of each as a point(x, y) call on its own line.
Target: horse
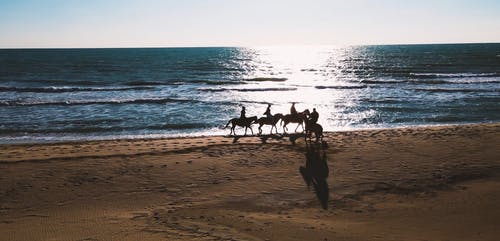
point(245, 122)
point(299, 119)
point(314, 127)
point(272, 120)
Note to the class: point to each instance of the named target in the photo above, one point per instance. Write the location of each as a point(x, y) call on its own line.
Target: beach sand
point(425, 183)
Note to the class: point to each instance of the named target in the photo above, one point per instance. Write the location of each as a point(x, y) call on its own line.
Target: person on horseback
point(268, 111)
point(313, 117)
point(293, 111)
point(243, 112)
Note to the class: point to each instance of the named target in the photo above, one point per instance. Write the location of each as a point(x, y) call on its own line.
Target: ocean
point(49, 95)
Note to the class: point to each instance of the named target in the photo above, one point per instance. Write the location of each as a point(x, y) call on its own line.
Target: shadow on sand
point(292, 137)
point(316, 171)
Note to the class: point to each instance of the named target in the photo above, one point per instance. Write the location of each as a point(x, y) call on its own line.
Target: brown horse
point(272, 120)
point(245, 122)
point(314, 127)
point(299, 119)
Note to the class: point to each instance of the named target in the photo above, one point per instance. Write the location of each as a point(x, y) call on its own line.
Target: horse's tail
point(227, 124)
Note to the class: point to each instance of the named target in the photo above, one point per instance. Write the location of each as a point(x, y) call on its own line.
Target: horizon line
point(249, 46)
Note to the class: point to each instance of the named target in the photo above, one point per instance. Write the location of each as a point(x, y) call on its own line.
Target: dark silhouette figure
point(314, 116)
point(268, 111)
point(243, 113)
point(298, 118)
point(293, 111)
point(270, 120)
point(316, 171)
point(243, 122)
point(312, 127)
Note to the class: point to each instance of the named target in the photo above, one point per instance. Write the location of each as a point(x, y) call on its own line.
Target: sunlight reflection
point(316, 77)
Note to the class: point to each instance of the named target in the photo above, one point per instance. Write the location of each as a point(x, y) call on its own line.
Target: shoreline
point(195, 135)
point(10, 152)
point(425, 183)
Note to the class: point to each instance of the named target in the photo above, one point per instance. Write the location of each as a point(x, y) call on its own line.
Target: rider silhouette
point(242, 114)
point(314, 116)
point(268, 111)
point(293, 111)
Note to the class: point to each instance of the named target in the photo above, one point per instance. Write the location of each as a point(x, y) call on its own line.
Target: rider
point(242, 115)
point(293, 111)
point(268, 111)
point(314, 116)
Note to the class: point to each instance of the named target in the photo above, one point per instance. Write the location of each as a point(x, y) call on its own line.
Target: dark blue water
point(68, 94)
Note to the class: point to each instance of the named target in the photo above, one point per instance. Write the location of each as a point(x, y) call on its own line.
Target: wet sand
point(426, 183)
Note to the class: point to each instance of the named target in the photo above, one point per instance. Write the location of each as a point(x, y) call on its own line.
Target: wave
point(211, 82)
point(451, 90)
point(97, 102)
point(405, 81)
point(82, 129)
point(207, 82)
point(453, 75)
point(262, 79)
point(246, 89)
point(382, 81)
point(59, 82)
point(91, 129)
point(182, 126)
point(144, 83)
point(381, 100)
point(434, 81)
point(67, 89)
point(340, 87)
point(183, 82)
point(260, 102)
point(105, 121)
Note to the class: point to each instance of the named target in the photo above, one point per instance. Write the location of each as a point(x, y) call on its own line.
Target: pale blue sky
point(149, 23)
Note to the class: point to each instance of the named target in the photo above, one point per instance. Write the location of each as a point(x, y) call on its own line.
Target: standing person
point(314, 116)
point(243, 113)
point(268, 111)
point(293, 111)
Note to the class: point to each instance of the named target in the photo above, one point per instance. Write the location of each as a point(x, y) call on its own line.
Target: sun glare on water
point(310, 76)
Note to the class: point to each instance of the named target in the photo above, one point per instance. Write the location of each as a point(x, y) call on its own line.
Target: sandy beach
point(425, 183)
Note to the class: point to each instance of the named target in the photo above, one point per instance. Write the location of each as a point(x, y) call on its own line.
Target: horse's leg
point(260, 129)
point(297, 127)
point(318, 134)
point(251, 130)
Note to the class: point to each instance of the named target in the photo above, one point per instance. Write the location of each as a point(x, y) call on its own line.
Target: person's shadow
point(316, 171)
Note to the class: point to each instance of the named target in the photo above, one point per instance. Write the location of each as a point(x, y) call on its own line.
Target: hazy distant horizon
point(258, 46)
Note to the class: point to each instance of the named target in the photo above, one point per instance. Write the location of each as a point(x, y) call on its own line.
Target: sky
point(173, 23)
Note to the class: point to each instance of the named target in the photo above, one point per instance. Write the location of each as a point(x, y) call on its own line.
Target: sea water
point(74, 94)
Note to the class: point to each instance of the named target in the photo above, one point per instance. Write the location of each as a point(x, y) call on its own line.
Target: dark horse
point(299, 119)
point(245, 122)
point(314, 127)
point(272, 120)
